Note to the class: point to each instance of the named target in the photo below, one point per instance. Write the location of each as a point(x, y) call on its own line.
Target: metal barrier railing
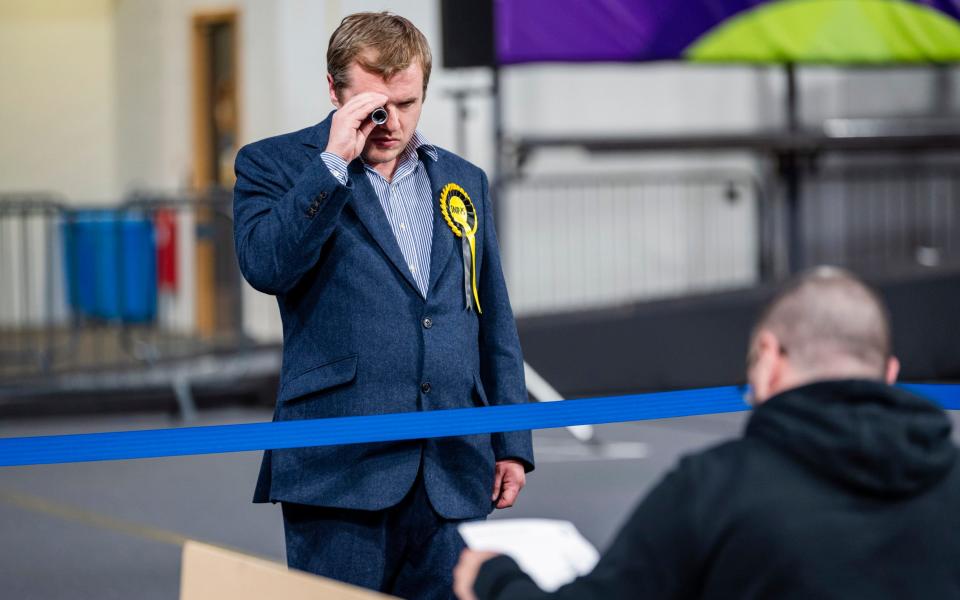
point(156, 277)
point(29, 301)
point(581, 242)
point(109, 287)
point(586, 242)
point(876, 220)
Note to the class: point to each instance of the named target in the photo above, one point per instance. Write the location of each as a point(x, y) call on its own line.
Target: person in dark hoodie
point(842, 486)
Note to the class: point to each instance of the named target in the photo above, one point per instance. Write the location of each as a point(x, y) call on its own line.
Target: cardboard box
point(214, 573)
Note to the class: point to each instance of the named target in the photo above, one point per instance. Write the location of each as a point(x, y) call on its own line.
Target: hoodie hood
point(866, 435)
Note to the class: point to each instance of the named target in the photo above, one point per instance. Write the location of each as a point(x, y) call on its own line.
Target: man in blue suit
point(381, 251)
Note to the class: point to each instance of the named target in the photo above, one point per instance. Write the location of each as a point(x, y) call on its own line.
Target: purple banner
point(641, 30)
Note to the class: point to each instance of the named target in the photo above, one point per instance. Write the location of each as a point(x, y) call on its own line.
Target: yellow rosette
point(461, 216)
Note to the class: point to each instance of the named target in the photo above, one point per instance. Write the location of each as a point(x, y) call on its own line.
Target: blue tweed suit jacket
point(360, 339)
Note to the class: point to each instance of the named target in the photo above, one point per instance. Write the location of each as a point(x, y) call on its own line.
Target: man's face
point(404, 92)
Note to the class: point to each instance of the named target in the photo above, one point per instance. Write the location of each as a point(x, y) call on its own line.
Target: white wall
point(59, 97)
point(140, 95)
point(870, 93)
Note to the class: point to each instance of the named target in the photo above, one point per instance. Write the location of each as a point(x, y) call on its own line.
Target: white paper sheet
point(552, 552)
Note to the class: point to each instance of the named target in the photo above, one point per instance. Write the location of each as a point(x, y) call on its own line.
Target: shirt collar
point(419, 141)
point(408, 159)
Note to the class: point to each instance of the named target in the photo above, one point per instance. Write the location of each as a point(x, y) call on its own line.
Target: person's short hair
point(381, 43)
point(825, 315)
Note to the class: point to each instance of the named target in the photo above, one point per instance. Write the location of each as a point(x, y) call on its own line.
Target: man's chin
point(374, 156)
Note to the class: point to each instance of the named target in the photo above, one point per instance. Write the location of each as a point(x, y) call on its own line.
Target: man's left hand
point(509, 478)
point(465, 573)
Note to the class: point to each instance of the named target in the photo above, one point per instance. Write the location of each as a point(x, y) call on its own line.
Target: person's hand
point(465, 573)
point(351, 125)
point(508, 479)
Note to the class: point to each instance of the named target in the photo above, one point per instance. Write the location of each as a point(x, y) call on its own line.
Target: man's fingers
point(465, 573)
point(363, 133)
point(513, 479)
point(508, 495)
point(351, 125)
point(375, 98)
point(365, 99)
point(461, 586)
point(360, 106)
point(366, 128)
point(497, 482)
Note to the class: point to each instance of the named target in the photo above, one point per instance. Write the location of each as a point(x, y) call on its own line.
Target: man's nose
point(393, 119)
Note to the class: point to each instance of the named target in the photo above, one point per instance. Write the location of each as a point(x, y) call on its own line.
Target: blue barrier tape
point(392, 427)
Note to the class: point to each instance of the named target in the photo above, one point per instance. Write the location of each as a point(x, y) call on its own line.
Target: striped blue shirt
point(407, 202)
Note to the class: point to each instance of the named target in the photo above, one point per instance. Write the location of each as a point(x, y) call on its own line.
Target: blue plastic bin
point(111, 265)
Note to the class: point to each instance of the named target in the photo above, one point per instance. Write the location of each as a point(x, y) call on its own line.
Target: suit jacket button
point(427, 322)
point(425, 388)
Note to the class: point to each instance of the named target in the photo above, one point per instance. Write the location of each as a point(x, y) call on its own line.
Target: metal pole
point(50, 216)
point(942, 105)
point(25, 349)
point(498, 137)
point(793, 116)
point(790, 172)
point(460, 132)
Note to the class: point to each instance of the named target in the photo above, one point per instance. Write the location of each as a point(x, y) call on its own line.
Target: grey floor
point(113, 529)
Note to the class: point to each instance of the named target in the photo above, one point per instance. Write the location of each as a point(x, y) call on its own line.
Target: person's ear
point(767, 372)
point(333, 91)
point(893, 370)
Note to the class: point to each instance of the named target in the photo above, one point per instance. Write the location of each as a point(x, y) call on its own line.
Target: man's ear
point(893, 370)
point(767, 371)
point(333, 91)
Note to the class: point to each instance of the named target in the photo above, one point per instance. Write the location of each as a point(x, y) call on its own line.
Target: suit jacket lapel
point(444, 241)
point(368, 208)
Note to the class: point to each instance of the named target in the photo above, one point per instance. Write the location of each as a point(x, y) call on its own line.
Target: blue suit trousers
point(407, 550)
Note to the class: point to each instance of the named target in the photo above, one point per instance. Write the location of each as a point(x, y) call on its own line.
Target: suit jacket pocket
point(479, 395)
point(328, 375)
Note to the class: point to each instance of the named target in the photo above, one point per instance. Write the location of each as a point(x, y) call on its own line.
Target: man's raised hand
point(351, 125)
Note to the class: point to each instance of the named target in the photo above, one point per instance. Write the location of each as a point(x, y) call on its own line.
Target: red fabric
point(165, 223)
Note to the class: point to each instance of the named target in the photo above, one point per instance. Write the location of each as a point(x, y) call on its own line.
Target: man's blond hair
point(381, 43)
